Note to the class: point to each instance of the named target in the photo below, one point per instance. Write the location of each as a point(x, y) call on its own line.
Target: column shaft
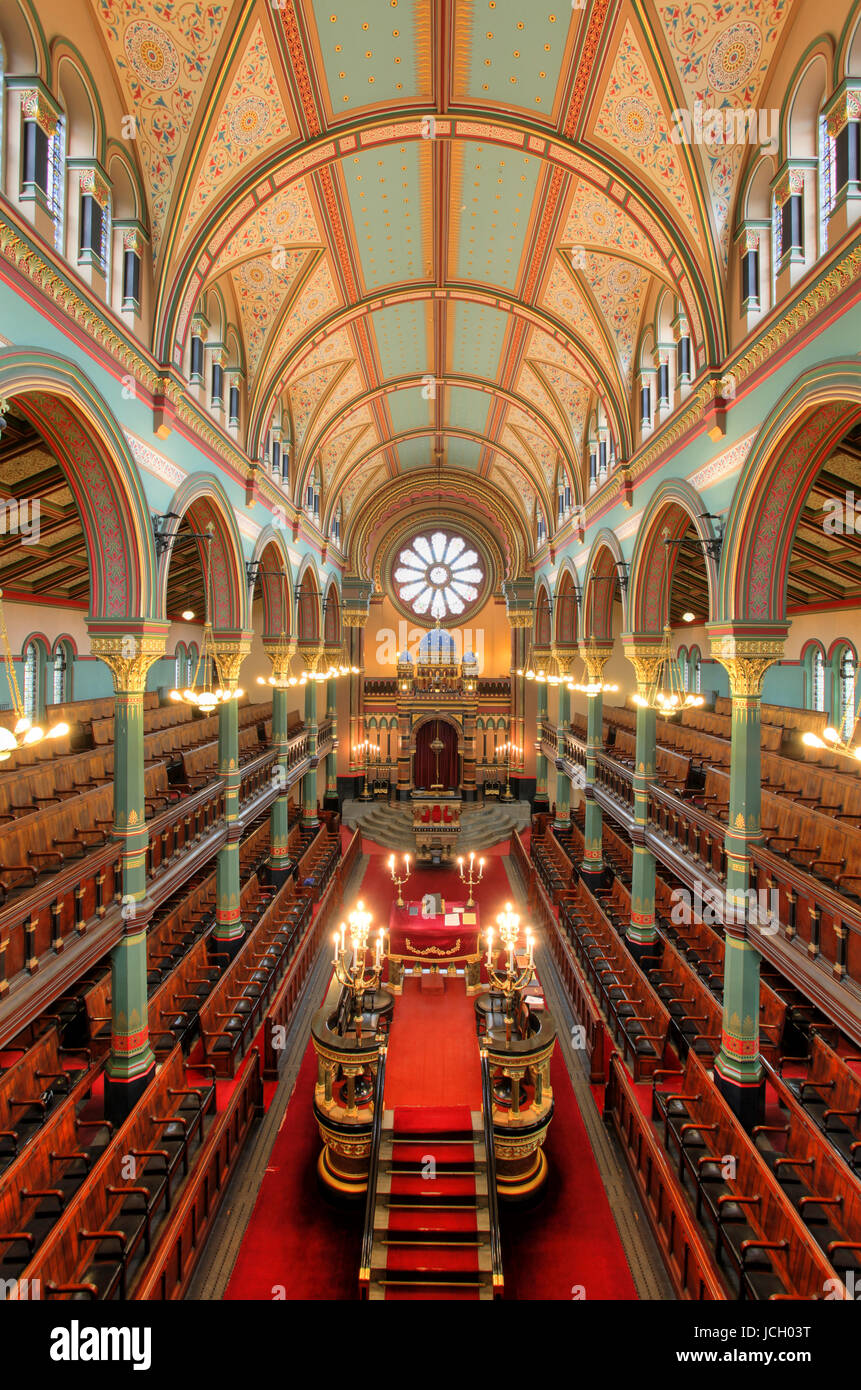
point(131, 1065)
point(228, 931)
point(279, 857)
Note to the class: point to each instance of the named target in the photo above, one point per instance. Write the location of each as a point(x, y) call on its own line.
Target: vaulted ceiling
point(440, 225)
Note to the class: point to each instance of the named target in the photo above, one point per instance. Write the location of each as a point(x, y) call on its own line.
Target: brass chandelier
point(24, 732)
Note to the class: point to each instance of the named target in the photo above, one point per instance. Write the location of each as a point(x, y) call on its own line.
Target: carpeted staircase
point(392, 826)
point(431, 1233)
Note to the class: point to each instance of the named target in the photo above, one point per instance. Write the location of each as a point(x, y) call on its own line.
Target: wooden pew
point(760, 1241)
point(107, 1227)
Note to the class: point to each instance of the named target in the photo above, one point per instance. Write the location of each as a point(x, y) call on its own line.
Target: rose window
point(438, 575)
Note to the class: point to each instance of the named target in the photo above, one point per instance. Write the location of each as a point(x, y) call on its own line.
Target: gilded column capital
point(519, 618)
point(129, 658)
point(353, 618)
point(228, 657)
point(747, 659)
point(281, 654)
point(312, 654)
point(595, 656)
point(565, 657)
point(646, 658)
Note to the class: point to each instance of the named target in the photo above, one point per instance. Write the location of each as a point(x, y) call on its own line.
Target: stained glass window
point(438, 575)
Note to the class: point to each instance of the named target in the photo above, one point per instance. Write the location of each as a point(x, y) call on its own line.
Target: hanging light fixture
point(24, 732)
point(591, 659)
point(846, 740)
point(201, 695)
point(667, 694)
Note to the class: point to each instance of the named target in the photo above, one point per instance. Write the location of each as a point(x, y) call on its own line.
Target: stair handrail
point(373, 1167)
point(492, 1196)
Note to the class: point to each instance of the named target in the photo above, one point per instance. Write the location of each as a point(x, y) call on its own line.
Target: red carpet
point(295, 1240)
point(570, 1239)
point(298, 1243)
point(433, 1051)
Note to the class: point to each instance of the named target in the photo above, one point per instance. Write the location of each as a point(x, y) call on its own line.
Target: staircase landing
point(391, 826)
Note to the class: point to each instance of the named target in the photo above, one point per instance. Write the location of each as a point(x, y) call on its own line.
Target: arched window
point(696, 670)
point(817, 673)
point(61, 693)
point(848, 669)
point(181, 661)
point(34, 679)
point(57, 181)
point(827, 182)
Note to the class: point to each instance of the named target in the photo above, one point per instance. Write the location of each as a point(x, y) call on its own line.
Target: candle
point(392, 864)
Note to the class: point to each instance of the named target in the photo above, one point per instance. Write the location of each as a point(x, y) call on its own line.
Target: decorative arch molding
point(808, 420)
point(409, 498)
point(332, 616)
point(672, 507)
point(201, 500)
point(567, 606)
point(270, 552)
point(543, 628)
point(316, 442)
point(582, 357)
point(73, 418)
point(309, 614)
point(176, 298)
point(67, 640)
point(336, 485)
point(455, 721)
point(599, 587)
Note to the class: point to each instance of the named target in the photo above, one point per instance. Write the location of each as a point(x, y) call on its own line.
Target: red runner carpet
point(298, 1243)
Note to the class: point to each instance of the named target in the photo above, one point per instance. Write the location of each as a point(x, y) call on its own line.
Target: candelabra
point(399, 881)
point(509, 749)
point(350, 966)
point(470, 878)
point(368, 752)
point(513, 980)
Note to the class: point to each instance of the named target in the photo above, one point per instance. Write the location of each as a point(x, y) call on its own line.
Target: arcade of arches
point(430, 467)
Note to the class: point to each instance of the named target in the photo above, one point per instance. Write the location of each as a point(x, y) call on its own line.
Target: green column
point(131, 1063)
point(645, 657)
point(228, 931)
point(595, 659)
point(593, 862)
point(280, 828)
point(738, 1070)
point(540, 759)
point(309, 781)
point(563, 785)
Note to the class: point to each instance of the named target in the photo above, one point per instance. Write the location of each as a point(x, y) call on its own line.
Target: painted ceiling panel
point(253, 116)
point(374, 52)
point(409, 410)
point(633, 123)
point(721, 53)
point(467, 408)
point(619, 288)
point(287, 219)
point(512, 55)
point(414, 454)
point(594, 220)
point(162, 54)
point(493, 191)
point(260, 292)
point(476, 335)
point(389, 193)
point(404, 342)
